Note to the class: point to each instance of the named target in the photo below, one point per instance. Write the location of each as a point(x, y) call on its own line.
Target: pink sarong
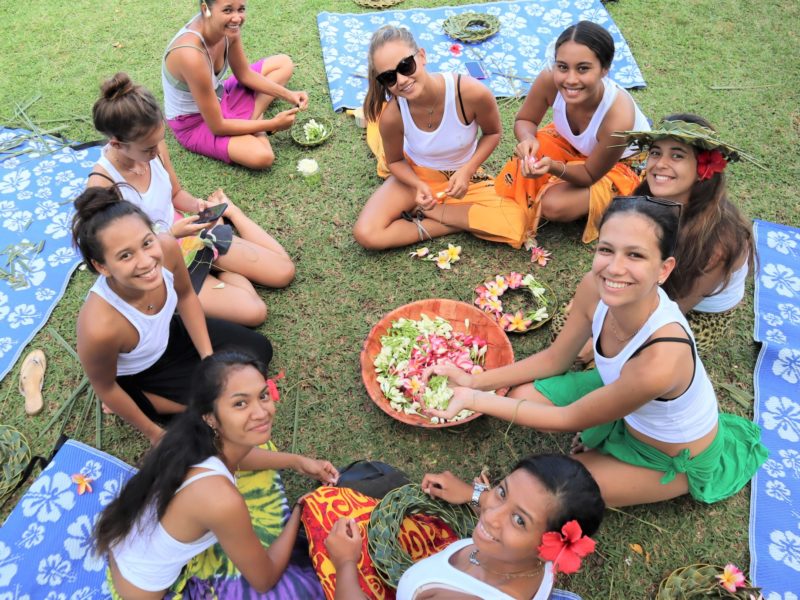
point(192, 132)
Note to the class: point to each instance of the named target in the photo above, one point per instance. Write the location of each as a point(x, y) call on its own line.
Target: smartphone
point(475, 69)
point(212, 213)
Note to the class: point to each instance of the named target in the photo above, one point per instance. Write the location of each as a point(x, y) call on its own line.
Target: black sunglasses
point(406, 67)
point(659, 201)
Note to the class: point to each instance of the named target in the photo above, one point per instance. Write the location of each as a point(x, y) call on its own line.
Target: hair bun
point(96, 199)
point(118, 86)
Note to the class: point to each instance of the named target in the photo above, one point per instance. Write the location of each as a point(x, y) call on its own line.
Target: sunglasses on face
point(406, 67)
point(659, 201)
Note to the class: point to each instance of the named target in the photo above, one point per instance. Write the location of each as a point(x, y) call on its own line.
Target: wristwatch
point(477, 489)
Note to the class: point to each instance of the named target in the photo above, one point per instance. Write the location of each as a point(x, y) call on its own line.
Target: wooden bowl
point(482, 325)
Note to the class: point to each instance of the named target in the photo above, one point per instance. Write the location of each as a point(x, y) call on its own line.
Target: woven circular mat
point(471, 27)
point(299, 135)
point(694, 582)
point(377, 3)
point(388, 557)
point(15, 453)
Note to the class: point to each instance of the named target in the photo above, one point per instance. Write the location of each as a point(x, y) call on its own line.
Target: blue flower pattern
point(521, 49)
point(36, 193)
point(46, 549)
point(775, 494)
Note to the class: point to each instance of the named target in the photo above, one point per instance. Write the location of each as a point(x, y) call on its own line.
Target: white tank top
point(149, 557)
point(586, 141)
point(684, 419)
point(725, 298)
point(153, 329)
point(437, 572)
point(178, 100)
point(156, 201)
point(449, 146)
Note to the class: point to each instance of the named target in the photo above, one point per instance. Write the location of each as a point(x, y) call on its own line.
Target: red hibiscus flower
point(710, 162)
point(455, 49)
point(566, 549)
point(272, 386)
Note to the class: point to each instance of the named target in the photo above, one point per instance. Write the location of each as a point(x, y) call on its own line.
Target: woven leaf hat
point(389, 559)
point(692, 134)
point(14, 456)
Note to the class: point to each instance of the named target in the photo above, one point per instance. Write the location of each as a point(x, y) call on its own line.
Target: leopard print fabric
point(709, 328)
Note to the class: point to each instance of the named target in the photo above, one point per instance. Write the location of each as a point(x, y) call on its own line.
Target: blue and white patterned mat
point(36, 254)
point(775, 492)
point(522, 48)
point(46, 549)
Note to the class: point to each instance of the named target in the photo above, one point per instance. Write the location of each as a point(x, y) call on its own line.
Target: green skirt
point(718, 472)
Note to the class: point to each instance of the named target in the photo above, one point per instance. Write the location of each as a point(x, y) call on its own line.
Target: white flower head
point(307, 166)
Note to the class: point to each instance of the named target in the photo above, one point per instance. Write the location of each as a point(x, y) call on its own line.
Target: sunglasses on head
point(651, 199)
point(406, 67)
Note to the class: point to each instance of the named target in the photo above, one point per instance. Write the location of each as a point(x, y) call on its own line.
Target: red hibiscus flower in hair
point(710, 162)
point(566, 549)
point(272, 386)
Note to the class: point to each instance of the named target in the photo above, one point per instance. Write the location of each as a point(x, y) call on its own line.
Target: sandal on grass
point(31, 380)
point(417, 218)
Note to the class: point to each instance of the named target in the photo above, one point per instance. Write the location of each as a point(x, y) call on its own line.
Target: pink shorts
point(192, 132)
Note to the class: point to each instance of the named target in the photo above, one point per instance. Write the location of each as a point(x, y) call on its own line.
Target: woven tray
point(389, 559)
point(299, 136)
point(500, 351)
point(15, 454)
point(471, 27)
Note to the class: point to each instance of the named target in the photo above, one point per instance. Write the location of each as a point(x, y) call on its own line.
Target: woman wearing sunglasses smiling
point(436, 129)
point(648, 415)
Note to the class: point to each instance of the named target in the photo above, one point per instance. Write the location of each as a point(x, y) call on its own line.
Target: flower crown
point(703, 138)
point(566, 549)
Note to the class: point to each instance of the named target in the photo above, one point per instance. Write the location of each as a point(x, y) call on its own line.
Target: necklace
point(615, 331)
point(473, 559)
point(131, 169)
point(138, 172)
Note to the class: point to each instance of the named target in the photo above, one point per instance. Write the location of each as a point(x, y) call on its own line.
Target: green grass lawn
point(63, 49)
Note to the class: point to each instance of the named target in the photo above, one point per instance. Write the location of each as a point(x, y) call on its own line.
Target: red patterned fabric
point(420, 536)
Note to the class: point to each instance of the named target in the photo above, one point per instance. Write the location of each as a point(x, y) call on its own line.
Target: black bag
point(372, 478)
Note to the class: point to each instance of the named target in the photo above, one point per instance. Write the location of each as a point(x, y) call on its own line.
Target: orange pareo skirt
point(527, 191)
point(491, 216)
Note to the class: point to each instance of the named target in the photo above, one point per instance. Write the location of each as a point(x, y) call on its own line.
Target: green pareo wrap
point(718, 472)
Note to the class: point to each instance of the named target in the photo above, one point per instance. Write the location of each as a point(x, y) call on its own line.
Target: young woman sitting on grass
point(715, 249)
point(648, 413)
point(184, 497)
point(137, 351)
point(573, 167)
point(222, 118)
point(435, 132)
point(137, 156)
point(509, 555)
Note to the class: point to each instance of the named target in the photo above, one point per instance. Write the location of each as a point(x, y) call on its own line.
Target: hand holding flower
point(321, 470)
point(455, 376)
point(462, 399)
point(526, 151)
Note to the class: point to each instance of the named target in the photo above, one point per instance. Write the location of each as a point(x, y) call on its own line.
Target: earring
point(217, 440)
